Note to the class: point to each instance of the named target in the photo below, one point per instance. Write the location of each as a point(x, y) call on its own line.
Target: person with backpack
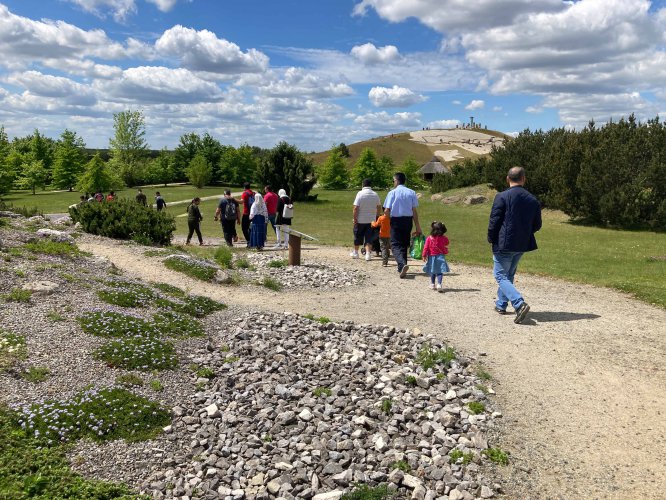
point(159, 201)
point(248, 200)
point(194, 219)
point(227, 212)
point(285, 212)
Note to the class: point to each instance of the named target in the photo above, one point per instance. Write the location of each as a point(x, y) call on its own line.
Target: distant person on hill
point(227, 211)
point(248, 199)
point(434, 251)
point(194, 219)
point(285, 212)
point(367, 206)
point(271, 200)
point(384, 224)
point(141, 198)
point(258, 218)
point(514, 218)
point(159, 201)
point(400, 205)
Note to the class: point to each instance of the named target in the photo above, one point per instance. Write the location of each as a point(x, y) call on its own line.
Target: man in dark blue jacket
point(514, 218)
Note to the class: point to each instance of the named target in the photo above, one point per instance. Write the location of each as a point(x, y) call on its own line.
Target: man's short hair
point(366, 183)
point(400, 177)
point(246, 185)
point(516, 174)
point(227, 192)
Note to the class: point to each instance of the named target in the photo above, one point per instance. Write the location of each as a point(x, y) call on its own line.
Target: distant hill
point(422, 145)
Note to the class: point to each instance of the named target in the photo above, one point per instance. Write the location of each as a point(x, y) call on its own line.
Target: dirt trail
point(580, 383)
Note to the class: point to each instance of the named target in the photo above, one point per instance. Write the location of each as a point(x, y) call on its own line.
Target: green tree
point(42, 149)
point(199, 171)
point(161, 168)
point(411, 170)
point(285, 166)
point(129, 149)
point(342, 149)
point(189, 145)
point(368, 167)
point(34, 174)
point(242, 162)
point(6, 172)
point(97, 178)
point(212, 150)
point(69, 160)
point(334, 173)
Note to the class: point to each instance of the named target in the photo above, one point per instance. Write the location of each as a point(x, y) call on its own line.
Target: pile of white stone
point(300, 409)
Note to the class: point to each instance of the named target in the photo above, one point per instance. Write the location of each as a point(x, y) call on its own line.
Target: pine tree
point(68, 163)
point(369, 167)
point(97, 178)
point(286, 167)
point(334, 173)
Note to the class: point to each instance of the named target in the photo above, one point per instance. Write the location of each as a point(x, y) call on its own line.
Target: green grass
point(224, 257)
point(278, 263)
point(36, 374)
point(618, 259)
point(475, 408)
point(125, 294)
point(365, 492)
point(496, 455)
point(17, 295)
point(387, 406)
point(174, 291)
point(203, 371)
point(138, 353)
point(156, 385)
point(456, 455)
point(410, 380)
point(57, 248)
point(429, 357)
point(271, 284)
point(483, 374)
point(129, 380)
point(12, 349)
point(402, 465)
point(321, 391)
point(193, 268)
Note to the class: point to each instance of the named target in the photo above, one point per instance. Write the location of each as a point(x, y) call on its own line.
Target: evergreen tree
point(129, 149)
point(411, 170)
point(6, 172)
point(199, 171)
point(369, 167)
point(97, 178)
point(285, 166)
point(68, 163)
point(212, 150)
point(334, 172)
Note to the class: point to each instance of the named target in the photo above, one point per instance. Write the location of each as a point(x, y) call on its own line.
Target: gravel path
point(581, 382)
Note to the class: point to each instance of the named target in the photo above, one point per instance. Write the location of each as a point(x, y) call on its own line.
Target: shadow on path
point(552, 316)
point(451, 290)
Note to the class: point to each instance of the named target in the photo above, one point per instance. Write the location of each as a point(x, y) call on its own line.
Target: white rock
point(305, 415)
point(213, 411)
point(329, 495)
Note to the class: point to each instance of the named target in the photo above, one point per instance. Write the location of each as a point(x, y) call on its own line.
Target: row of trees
point(611, 175)
point(36, 162)
point(336, 173)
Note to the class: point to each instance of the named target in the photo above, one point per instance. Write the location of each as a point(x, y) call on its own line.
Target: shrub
point(178, 325)
point(428, 358)
point(99, 414)
point(199, 269)
point(271, 284)
point(496, 455)
point(224, 257)
point(36, 374)
point(138, 353)
point(125, 219)
point(17, 295)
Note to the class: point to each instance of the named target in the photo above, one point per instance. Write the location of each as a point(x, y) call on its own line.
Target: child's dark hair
point(437, 228)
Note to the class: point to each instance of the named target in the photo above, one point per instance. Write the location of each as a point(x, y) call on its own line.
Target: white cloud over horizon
point(394, 97)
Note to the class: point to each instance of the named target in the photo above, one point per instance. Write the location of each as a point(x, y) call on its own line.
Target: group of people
point(253, 213)
point(515, 217)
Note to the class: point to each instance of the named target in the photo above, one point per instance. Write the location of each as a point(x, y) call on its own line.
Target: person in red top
point(271, 200)
point(247, 198)
point(111, 196)
point(436, 246)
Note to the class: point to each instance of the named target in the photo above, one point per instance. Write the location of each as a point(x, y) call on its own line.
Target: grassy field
point(631, 261)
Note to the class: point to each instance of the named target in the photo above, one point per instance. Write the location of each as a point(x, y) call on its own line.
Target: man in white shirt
point(367, 206)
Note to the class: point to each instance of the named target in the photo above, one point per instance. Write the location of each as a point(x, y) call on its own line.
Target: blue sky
point(317, 73)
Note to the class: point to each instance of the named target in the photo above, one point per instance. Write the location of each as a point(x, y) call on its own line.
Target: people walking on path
point(194, 219)
point(271, 200)
point(247, 198)
point(400, 206)
point(228, 213)
point(285, 212)
point(435, 248)
point(159, 202)
point(367, 206)
point(258, 218)
point(383, 222)
point(514, 218)
point(141, 198)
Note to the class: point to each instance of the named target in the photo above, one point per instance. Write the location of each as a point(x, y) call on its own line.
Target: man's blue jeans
point(504, 269)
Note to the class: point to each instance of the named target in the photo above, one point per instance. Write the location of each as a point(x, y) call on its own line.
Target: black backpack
point(230, 211)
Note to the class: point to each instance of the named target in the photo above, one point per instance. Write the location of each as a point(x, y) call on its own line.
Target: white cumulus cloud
point(475, 104)
point(443, 124)
point(394, 97)
point(120, 9)
point(299, 82)
point(369, 54)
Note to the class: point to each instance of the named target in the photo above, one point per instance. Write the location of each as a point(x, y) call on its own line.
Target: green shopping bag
point(416, 248)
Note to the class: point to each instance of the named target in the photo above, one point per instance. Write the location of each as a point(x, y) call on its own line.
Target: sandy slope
point(581, 383)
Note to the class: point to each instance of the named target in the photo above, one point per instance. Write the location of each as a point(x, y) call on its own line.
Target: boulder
point(475, 199)
point(54, 235)
point(436, 197)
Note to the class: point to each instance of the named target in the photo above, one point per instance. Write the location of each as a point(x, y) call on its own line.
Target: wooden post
point(294, 250)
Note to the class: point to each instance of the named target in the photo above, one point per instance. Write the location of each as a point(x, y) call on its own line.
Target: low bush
point(175, 324)
point(125, 220)
point(224, 257)
point(198, 269)
point(36, 374)
point(111, 324)
point(138, 353)
point(272, 284)
point(12, 349)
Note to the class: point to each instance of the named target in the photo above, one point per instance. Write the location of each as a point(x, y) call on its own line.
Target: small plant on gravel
point(224, 257)
point(57, 248)
point(410, 380)
point(17, 295)
point(475, 408)
point(267, 438)
point(387, 406)
point(199, 306)
point(204, 372)
point(365, 492)
point(230, 359)
point(402, 465)
point(112, 324)
point(243, 263)
point(483, 374)
point(496, 455)
point(36, 374)
point(271, 284)
point(429, 357)
point(225, 348)
point(156, 253)
point(191, 267)
point(174, 291)
point(130, 296)
point(235, 279)
point(156, 385)
point(440, 376)
point(278, 263)
point(138, 353)
point(482, 388)
point(457, 455)
point(321, 391)
point(177, 325)
point(129, 380)
point(99, 414)
point(19, 273)
point(54, 316)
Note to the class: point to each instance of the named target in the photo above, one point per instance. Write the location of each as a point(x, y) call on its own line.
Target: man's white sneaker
point(368, 256)
point(353, 255)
